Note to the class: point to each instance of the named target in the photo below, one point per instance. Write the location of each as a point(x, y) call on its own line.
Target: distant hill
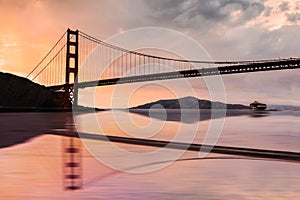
point(284, 107)
point(19, 92)
point(189, 103)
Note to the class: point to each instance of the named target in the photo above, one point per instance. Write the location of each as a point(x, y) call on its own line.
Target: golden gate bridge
point(61, 69)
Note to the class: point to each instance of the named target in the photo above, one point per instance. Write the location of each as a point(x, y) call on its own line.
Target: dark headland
point(18, 93)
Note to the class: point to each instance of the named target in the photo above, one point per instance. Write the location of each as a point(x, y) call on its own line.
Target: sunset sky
point(227, 29)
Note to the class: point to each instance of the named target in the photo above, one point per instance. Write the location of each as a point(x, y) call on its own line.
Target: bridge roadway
point(232, 69)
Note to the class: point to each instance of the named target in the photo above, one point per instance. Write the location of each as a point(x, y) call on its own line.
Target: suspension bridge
point(61, 68)
point(65, 68)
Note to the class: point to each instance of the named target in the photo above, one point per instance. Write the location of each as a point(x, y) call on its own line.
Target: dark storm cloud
point(284, 6)
point(196, 13)
point(213, 25)
point(293, 17)
point(268, 11)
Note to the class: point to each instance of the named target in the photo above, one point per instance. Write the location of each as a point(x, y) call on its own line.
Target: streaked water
point(31, 158)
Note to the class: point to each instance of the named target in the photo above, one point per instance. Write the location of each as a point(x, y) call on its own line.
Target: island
point(189, 103)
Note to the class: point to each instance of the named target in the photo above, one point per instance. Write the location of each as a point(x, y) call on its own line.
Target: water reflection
point(260, 114)
point(32, 165)
point(18, 128)
point(188, 115)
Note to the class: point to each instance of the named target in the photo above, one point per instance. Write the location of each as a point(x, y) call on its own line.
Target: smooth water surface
point(32, 144)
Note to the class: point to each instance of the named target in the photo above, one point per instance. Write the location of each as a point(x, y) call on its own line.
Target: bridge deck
point(233, 69)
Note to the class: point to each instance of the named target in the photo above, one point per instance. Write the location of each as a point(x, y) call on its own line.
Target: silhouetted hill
point(189, 103)
point(284, 107)
point(17, 91)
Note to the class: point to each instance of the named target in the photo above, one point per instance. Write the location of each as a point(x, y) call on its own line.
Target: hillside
point(190, 103)
point(19, 92)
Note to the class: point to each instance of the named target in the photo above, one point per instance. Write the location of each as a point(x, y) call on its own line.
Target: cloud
point(205, 14)
point(293, 17)
point(284, 6)
point(268, 11)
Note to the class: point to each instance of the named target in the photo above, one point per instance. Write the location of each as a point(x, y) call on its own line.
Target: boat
point(258, 106)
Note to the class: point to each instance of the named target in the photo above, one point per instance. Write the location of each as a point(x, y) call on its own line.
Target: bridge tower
point(72, 145)
point(71, 92)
